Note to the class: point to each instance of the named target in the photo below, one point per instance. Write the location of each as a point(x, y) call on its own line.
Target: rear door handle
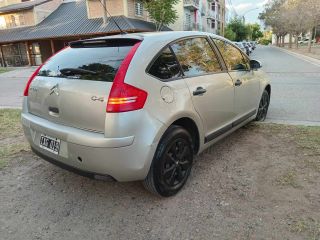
point(199, 91)
point(238, 83)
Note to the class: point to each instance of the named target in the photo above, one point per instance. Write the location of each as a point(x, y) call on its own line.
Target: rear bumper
point(90, 154)
point(74, 135)
point(70, 168)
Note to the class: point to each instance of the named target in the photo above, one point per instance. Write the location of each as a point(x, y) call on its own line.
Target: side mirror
point(254, 64)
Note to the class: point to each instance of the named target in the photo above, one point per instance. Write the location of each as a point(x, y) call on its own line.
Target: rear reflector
point(124, 97)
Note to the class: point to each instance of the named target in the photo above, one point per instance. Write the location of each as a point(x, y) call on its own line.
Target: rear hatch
point(72, 88)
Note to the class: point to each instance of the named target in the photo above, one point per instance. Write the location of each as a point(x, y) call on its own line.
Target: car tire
point(172, 163)
point(263, 106)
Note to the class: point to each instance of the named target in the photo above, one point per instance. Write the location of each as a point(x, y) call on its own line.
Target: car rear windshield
point(86, 63)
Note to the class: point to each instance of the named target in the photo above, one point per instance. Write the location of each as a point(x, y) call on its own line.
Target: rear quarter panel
point(168, 111)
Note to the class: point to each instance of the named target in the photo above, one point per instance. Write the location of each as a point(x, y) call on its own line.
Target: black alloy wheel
point(263, 106)
point(172, 163)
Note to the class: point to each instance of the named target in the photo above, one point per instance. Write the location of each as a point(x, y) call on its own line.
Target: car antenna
point(115, 22)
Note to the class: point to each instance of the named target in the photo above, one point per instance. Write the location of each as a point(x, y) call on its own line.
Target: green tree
point(256, 33)
point(161, 12)
point(231, 35)
point(240, 30)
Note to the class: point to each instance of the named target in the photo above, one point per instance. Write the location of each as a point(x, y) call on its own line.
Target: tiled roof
point(22, 6)
point(70, 19)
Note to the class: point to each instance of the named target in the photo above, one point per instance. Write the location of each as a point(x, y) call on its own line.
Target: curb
point(293, 122)
point(308, 59)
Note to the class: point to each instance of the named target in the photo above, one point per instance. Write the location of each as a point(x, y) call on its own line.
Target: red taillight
point(26, 90)
point(124, 97)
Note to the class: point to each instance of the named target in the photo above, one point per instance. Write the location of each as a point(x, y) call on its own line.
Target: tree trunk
point(277, 41)
point(282, 41)
point(290, 40)
point(310, 40)
point(296, 41)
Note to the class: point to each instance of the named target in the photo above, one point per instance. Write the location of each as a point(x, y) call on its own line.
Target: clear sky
point(243, 6)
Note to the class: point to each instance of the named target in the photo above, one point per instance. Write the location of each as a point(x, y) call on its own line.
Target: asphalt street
point(295, 86)
point(295, 96)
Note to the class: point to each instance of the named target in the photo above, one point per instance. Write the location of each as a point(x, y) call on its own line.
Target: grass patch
point(10, 150)
point(11, 142)
point(3, 70)
point(288, 179)
point(309, 226)
point(10, 124)
point(308, 138)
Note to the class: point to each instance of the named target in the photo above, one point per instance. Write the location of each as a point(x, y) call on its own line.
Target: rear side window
point(165, 66)
point(91, 63)
point(232, 56)
point(196, 57)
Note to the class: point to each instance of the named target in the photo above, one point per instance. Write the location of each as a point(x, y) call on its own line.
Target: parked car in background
point(306, 41)
point(248, 48)
point(140, 106)
point(253, 44)
point(242, 47)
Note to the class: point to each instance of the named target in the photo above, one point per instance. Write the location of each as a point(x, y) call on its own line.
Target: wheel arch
point(268, 88)
point(190, 125)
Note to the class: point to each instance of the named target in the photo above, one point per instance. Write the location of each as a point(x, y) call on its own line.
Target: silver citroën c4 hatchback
point(140, 106)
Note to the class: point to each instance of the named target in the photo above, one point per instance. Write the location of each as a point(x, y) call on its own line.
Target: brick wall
point(95, 9)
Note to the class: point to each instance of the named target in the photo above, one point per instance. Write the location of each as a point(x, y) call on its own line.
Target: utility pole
point(105, 16)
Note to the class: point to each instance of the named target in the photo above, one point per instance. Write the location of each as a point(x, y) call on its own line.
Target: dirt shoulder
point(261, 182)
point(303, 50)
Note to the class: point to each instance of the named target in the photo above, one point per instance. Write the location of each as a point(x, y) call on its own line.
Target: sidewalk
point(315, 51)
point(302, 54)
point(12, 84)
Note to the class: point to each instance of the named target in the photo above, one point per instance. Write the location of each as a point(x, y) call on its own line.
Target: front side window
point(246, 61)
point(232, 56)
point(196, 57)
point(165, 66)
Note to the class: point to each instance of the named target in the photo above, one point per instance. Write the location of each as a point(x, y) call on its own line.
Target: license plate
point(50, 144)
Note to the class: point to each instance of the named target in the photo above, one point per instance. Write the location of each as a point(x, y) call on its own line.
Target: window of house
point(13, 22)
point(138, 5)
point(213, 6)
point(232, 56)
point(213, 24)
point(166, 66)
point(2, 22)
point(196, 57)
point(21, 20)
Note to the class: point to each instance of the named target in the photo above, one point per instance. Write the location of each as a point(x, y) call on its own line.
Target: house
point(200, 15)
point(31, 31)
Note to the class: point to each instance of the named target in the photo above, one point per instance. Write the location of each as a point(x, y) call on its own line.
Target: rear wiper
point(73, 71)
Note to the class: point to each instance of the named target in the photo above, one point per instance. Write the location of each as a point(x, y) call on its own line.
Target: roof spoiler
point(105, 42)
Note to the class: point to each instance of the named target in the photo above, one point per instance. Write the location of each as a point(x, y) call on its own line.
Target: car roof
point(166, 35)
